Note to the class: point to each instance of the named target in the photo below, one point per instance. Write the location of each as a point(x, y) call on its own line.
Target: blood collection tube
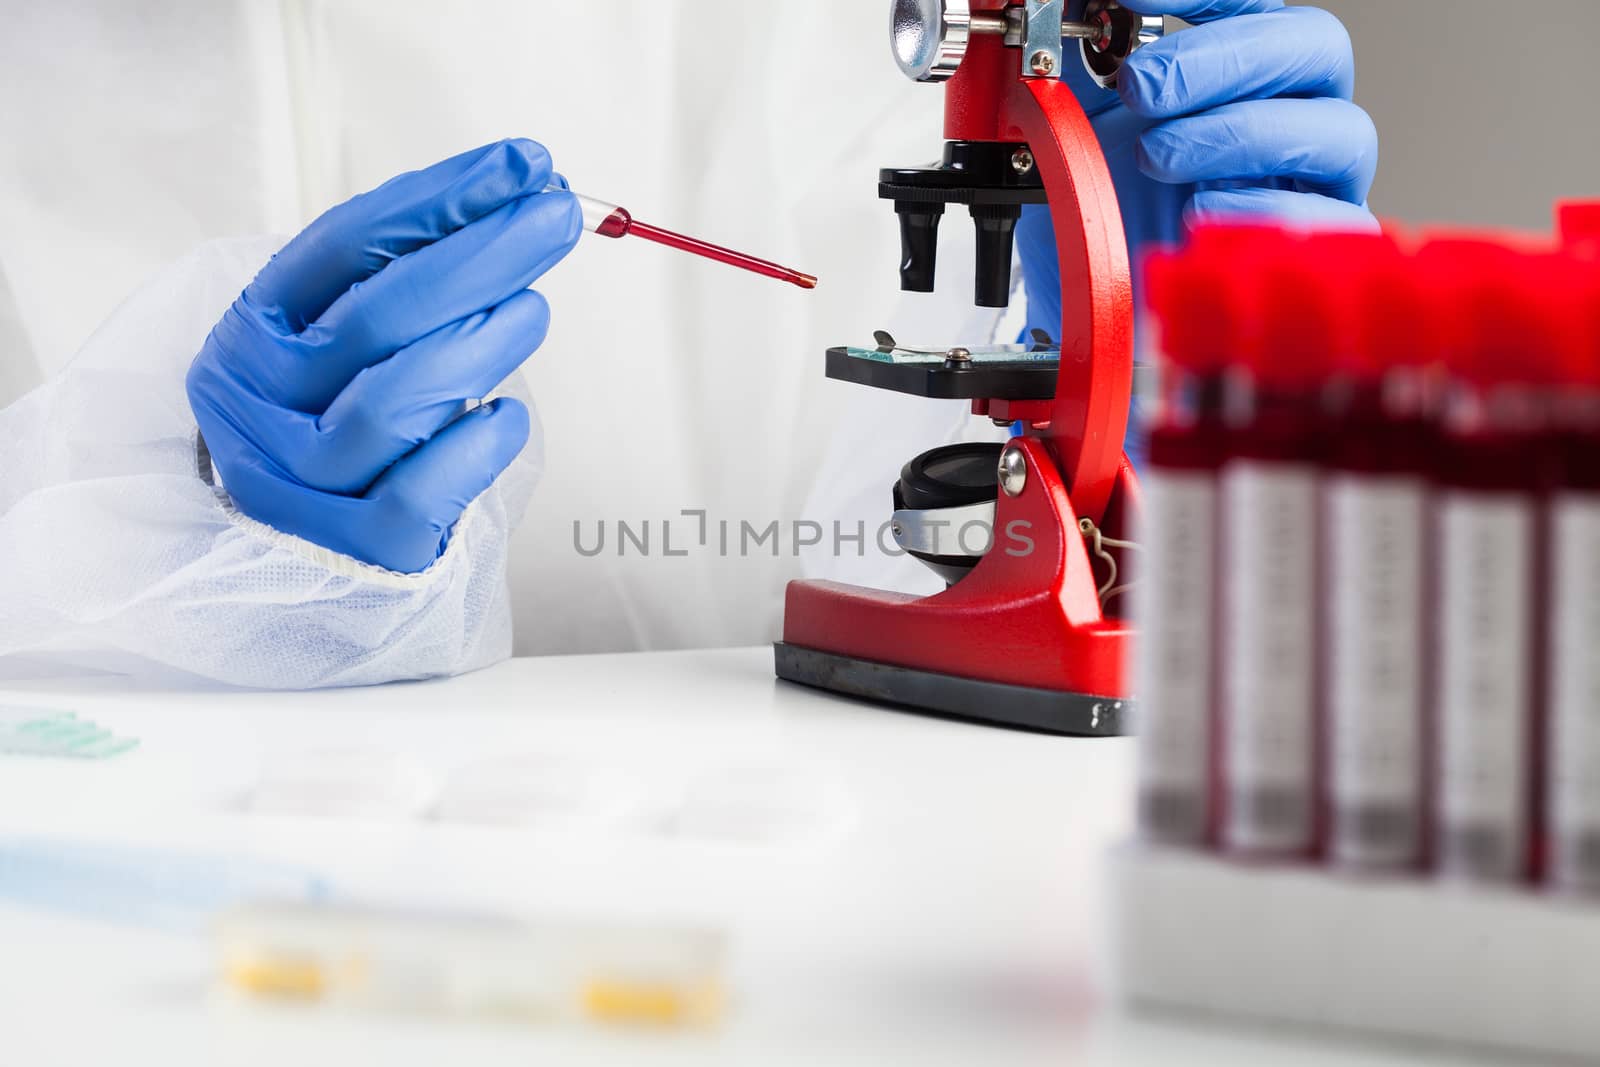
point(1267, 580)
point(1192, 316)
point(1490, 466)
point(1573, 599)
point(1374, 577)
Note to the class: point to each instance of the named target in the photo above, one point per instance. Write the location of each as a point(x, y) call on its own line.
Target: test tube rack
point(1502, 969)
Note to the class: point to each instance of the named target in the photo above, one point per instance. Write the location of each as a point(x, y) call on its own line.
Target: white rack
point(1408, 958)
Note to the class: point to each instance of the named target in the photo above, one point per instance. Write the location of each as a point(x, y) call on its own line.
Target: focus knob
point(930, 37)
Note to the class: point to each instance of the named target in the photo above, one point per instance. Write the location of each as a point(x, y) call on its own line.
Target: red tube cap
point(1503, 317)
point(1578, 223)
point(1202, 311)
point(1308, 304)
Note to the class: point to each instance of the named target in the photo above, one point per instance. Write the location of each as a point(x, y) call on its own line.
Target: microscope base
point(1042, 710)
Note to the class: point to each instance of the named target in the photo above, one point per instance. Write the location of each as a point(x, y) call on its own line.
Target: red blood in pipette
point(622, 224)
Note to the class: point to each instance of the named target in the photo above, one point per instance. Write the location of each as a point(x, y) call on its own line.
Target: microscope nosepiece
point(992, 179)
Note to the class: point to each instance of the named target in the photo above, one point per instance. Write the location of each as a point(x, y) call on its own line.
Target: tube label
point(1174, 604)
point(1484, 662)
point(1574, 743)
point(1268, 630)
point(1375, 654)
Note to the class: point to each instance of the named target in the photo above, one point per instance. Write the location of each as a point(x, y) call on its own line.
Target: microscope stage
point(1005, 372)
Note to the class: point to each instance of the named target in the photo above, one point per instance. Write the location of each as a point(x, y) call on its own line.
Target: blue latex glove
point(1246, 114)
point(331, 395)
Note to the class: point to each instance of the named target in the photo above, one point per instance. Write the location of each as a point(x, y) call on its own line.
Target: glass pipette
point(609, 220)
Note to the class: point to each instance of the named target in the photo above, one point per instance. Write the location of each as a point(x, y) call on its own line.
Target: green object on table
point(58, 734)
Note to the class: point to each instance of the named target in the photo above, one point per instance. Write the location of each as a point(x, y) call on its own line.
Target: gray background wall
point(1486, 108)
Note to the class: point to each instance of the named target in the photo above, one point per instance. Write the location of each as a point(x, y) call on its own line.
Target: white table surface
point(945, 904)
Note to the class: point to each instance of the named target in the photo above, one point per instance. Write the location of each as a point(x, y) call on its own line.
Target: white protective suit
point(666, 386)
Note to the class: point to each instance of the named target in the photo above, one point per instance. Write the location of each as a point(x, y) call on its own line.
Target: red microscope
point(1032, 630)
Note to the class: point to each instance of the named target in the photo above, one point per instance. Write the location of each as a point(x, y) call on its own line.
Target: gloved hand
point(331, 395)
point(1248, 113)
